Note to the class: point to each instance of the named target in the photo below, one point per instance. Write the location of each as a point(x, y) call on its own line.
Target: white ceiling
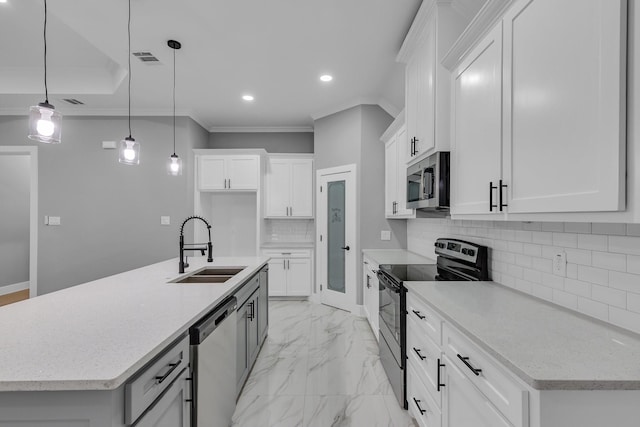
point(274, 49)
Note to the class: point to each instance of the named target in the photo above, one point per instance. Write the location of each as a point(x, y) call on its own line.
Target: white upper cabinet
point(427, 83)
point(539, 114)
point(564, 105)
point(395, 170)
point(477, 132)
point(289, 187)
point(228, 172)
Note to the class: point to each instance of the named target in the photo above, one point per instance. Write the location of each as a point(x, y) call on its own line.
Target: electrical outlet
point(165, 220)
point(385, 235)
point(560, 264)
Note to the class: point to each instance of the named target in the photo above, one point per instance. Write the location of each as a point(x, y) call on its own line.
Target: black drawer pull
point(160, 378)
point(422, 411)
point(474, 370)
point(440, 365)
point(418, 353)
point(420, 316)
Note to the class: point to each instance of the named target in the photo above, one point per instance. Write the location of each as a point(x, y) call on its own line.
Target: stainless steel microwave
point(428, 184)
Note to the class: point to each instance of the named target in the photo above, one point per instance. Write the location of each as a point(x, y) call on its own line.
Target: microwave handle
point(421, 193)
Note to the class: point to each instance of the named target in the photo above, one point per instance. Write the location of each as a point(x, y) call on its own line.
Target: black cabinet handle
point(422, 411)
point(346, 248)
point(465, 361)
point(440, 365)
point(417, 350)
point(160, 378)
point(491, 188)
point(502, 205)
point(420, 316)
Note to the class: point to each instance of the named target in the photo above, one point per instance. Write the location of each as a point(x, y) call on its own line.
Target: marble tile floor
point(319, 367)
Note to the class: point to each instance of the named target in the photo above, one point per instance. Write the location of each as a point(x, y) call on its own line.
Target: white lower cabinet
point(465, 406)
point(420, 403)
point(290, 272)
point(371, 294)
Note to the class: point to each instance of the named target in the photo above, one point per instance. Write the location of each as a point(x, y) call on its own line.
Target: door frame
point(32, 152)
point(351, 235)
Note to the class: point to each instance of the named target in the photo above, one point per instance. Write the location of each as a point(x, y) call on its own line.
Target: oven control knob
point(464, 251)
point(469, 252)
point(439, 245)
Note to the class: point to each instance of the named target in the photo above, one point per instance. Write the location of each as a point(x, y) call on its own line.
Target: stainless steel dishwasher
point(213, 353)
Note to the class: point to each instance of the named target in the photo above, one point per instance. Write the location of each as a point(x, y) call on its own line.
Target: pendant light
point(129, 148)
point(174, 165)
point(44, 120)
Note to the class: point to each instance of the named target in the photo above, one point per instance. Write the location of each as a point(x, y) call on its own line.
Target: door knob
point(346, 248)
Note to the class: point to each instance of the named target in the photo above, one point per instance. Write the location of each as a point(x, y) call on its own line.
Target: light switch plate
point(108, 145)
point(165, 220)
point(385, 235)
point(54, 220)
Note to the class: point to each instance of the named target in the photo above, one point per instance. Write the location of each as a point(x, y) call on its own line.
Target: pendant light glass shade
point(44, 124)
point(129, 151)
point(174, 165)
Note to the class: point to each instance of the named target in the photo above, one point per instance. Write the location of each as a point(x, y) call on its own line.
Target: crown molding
point(393, 128)
point(481, 24)
point(259, 129)
point(390, 108)
point(414, 36)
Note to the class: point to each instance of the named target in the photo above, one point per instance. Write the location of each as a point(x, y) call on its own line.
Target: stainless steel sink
point(210, 275)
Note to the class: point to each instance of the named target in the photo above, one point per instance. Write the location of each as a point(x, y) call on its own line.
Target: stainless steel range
point(457, 260)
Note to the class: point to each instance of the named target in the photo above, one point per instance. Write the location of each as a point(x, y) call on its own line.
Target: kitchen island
point(80, 345)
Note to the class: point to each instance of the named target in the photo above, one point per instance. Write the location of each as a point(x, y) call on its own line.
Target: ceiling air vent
point(145, 56)
point(73, 101)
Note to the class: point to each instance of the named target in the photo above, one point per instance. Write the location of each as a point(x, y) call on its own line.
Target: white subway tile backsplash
point(577, 287)
point(624, 244)
point(552, 281)
point(578, 256)
point(565, 299)
point(624, 319)
point(567, 240)
point(593, 275)
point(609, 261)
point(624, 281)
point(592, 241)
point(609, 296)
point(593, 308)
point(603, 260)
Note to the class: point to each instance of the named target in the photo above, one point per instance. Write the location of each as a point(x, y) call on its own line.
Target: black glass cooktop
point(411, 272)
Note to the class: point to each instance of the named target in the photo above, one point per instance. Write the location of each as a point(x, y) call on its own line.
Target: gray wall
point(353, 136)
point(15, 181)
point(272, 142)
point(110, 212)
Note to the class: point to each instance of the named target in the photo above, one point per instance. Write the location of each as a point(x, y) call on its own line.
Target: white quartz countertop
point(96, 335)
point(396, 256)
point(547, 346)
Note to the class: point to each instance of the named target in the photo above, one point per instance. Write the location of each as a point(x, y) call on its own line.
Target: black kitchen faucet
point(183, 263)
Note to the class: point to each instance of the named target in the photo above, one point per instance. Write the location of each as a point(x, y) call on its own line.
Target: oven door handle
point(387, 284)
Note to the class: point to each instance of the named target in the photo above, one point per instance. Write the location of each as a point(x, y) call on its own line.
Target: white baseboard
point(16, 287)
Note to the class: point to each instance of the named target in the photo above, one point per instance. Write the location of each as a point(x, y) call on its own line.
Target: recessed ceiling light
point(326, 78)
point(3, 1)
point(247, 97)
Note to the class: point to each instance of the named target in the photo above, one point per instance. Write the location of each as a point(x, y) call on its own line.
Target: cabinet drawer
point(287, 253)
point(152, 380)
point(428, 320)
point(424, 354)
point(421, 406)
point(488, 376)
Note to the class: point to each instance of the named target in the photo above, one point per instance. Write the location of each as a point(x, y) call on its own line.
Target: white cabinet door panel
point(463, 405)
point(278, 188)
point(277, 277)
point(243, 172)
point(477, 116)
point(299, 277)
point(564, 105)
point(301, 188)
point(390, 177)
point(212, 173)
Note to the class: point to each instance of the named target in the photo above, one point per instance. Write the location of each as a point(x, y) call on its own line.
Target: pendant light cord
point(46, 88)
point(174, 102)
point(129, 58)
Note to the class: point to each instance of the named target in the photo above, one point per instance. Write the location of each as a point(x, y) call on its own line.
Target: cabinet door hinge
point(321, 237)
point(321, 286)
point(321, 188)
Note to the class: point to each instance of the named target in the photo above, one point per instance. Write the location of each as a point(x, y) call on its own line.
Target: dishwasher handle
point(201, 330)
